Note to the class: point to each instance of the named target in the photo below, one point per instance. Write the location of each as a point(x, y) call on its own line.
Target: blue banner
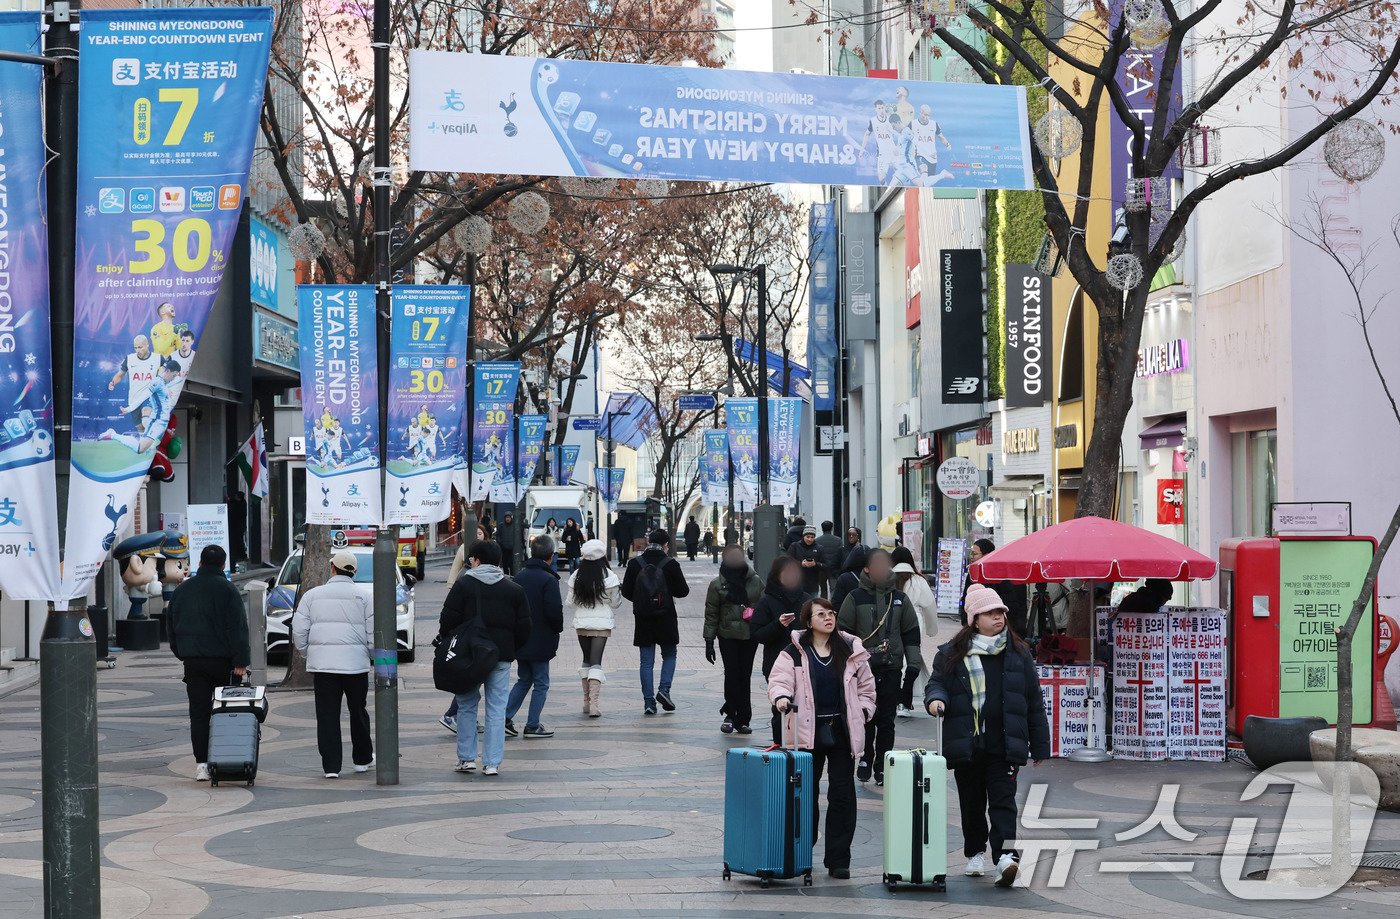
point(741, 420)
point(823, 346)
point(427, 396)
point(580, 118)
point(609, 482)
point(168, 103)
point(29, 568)
point(568, 460)
point(262, 263)
point(340, 404)
point(494, 394)
point(784, 449)
point(714, 481)
point(529, 446)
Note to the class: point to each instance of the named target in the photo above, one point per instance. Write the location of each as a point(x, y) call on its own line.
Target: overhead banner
point(494, 394)
point(568, 461)
point(340, 404)
point(823, 342)
point(741, 420)
point(715, 483)
point(609, 482)
point(29, 568)
point(167, 117)
point(561, 117)
point(960, 322)
point(784, 449)
point(1027, 309)
point(528, 448)
point(427, 397)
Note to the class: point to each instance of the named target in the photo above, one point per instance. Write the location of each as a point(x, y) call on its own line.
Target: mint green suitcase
point(916, 816)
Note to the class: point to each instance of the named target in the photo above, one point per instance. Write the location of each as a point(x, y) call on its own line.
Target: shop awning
point(1168, 432)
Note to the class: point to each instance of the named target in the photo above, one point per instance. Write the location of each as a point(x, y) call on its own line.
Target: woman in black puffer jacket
point(985, 681)
point(776, 616)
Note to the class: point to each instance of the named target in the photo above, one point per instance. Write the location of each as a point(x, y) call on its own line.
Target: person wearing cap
point(808, 556)
point(595, 593)
point(656, 625)
point(985, 684)
point(333, 628)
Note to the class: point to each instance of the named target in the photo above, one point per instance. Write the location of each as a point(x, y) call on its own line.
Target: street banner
point(741, 419)
point(561, 117)
point(1196, 728)
point(609, 482)
point(960, 322)
point(427, 396)
point(568, 460)
point(784, 449)
point(715, 484)
point(1139, 72)
point(823, 344)
point(502, 489)
point(1027, 309)
point(168, 103)
point(340, 404)
point(29, 568)
point(1073, 706)
point(527, 451)
point(494, 394)
point(1140, 686)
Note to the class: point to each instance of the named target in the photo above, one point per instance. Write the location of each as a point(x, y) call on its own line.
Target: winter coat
point(206, 618)
point(830, 552)
point(793, 535)
point(723, 617)
point(790, 681)
point(541, 586)
point(501, 603)
point(1024, 725)
point(508, 537)
point(661, 630)
point(862, 613)
point(852, 567)
point(597, 618)
point(811, 575)
point(573, 542)
point(333, 627)
point(848, 552)
point(692, 533)
point(925, 604)
point(767, 627)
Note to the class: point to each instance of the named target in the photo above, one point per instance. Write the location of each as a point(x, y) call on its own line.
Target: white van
point(561, 503)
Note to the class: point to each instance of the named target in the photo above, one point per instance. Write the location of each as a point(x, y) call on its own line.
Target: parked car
point(282, 592)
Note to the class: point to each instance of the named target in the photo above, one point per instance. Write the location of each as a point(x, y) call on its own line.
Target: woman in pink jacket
point(825, 675)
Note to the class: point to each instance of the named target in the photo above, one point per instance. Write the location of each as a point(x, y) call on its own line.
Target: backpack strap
point(796, 655)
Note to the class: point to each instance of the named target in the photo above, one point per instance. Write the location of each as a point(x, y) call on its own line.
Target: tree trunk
point(315, 571)
point(1120, 333)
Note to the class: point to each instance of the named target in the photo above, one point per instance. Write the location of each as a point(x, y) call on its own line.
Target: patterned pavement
point(616, 817)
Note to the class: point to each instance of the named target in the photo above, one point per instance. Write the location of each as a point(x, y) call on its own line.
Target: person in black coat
point(541, 585)
point(1149, 598)
point(573, 543)
point(850, 575)
point(484, 591)
point(656, 624)
point(622, 537)
point(852, 543)
point(808, 558)
point(692, 538)
point(794, 533)
point(508, 538)
point(984, 683)
point(1013, 595)
point(776, 616)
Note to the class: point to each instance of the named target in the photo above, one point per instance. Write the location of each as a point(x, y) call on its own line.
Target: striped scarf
point(981, 645)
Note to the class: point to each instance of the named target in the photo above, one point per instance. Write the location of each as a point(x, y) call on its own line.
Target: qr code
point(1316, 677)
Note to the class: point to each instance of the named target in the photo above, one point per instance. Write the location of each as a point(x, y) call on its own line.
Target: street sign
point(296, 444)
point(959, 478)
point(588, 423)
point(1302, 517)
point(697, 402)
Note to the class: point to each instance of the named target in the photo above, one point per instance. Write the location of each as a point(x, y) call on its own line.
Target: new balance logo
point(964, 386)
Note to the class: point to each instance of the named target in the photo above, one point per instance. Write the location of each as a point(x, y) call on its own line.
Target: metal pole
point(257, 632)
point(763, 496)
point(469, 522)
point(386, 640)
point(67, 655)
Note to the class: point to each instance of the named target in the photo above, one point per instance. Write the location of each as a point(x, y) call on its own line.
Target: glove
point(710, 650)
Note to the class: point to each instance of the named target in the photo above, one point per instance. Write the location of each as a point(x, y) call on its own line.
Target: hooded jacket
point(788, 680)
point(882, 612)
point(724, 618)
point(661, 630)
point(811, 575)
point(333, 627)
point(501, 603)
point(851, 568)
point(206, 618)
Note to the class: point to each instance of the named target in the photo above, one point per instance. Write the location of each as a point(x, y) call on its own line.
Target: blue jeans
point(533, 675)
point(494, 739)
point(668, 670)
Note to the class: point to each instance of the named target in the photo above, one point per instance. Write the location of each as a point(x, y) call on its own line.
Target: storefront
point(1021, 491)
point(959, 517)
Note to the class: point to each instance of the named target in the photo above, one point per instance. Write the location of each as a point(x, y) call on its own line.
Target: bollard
point(256, 602)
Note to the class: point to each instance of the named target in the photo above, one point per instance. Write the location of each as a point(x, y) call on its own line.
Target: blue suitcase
point(768, 827)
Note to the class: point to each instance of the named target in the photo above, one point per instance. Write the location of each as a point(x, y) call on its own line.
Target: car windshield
point(364, 570)
point(560, 515)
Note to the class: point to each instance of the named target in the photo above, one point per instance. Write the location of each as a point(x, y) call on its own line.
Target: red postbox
point(1285, 597)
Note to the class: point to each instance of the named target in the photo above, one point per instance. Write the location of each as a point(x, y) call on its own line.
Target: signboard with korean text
point(958, 478)
point(1141, 686)
point(1319, 580)
point(1196, 726)
point(1075, 710)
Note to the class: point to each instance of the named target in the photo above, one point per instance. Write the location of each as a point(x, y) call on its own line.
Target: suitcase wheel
point(763, 882)
point(726, 872)
point(807, 879)
point(940, 884)
point(250, 783)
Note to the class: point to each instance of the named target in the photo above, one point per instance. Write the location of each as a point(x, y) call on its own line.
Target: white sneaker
point(904, 711)
point(466, 765)
point(1007, 870)
point(976, 866)
point(491, 770)
point(201, 772)
point(366, 766)
point(332, 775)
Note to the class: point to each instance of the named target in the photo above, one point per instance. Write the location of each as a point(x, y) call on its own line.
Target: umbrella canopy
point(1092, 549)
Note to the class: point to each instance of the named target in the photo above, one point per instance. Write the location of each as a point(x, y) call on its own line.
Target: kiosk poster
point(1319, 582)
point(1140, 686)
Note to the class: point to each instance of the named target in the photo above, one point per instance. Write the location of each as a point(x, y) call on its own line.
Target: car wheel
point(407, 656)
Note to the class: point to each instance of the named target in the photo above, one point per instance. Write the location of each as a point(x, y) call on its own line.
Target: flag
point(252, 462)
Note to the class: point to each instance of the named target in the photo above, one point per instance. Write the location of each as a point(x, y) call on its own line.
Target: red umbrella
point(1092, 549)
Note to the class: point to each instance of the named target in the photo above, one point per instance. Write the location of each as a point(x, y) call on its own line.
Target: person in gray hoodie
point(333, 628)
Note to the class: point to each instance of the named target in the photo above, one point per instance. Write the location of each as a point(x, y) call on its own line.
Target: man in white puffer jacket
point(334, 630)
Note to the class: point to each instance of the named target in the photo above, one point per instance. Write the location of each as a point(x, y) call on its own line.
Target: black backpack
point(653, 595)
point(464, 657)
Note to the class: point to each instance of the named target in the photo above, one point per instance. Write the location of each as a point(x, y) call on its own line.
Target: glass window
point(1072, 359)
point(1253, 480)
